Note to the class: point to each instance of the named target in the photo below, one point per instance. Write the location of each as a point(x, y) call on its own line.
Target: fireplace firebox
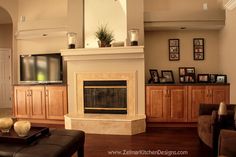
point(108, 97)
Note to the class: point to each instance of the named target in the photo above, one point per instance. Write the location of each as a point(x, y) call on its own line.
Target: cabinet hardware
point(46, 92)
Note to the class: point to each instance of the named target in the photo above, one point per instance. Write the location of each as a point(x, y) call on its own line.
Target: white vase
point(5, 124)
point(22, 128)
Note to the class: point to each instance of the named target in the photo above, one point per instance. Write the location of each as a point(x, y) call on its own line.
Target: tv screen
point(41, 68)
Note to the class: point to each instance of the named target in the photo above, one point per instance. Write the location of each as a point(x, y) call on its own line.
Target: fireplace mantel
point(128, 52)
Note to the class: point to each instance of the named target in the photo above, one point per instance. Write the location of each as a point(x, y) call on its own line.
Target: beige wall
point(42, 10)
point(113, 14)
point(6, 35)
point(135, 17)
point(157, 55)
point(227, 51)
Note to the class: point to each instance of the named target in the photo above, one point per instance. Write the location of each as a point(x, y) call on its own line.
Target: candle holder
point(71, 36)
point(133, 36)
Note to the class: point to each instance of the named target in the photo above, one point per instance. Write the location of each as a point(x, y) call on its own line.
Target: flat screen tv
point(41, 68)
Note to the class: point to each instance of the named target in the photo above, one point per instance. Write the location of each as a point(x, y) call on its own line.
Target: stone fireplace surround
point(119, 63)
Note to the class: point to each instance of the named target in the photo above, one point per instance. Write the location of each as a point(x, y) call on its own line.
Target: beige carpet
point(5, 112)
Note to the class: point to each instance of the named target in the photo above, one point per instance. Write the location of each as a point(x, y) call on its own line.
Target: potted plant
point(105, 36)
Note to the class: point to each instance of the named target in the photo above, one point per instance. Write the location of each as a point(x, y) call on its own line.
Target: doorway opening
point(6, 38)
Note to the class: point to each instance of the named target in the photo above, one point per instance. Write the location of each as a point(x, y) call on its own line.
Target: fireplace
point(109, 97)
point(106, 90)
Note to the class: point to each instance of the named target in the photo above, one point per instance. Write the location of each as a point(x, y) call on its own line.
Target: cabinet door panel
point(196, 96)
point(156, 107)
point(178, 104)
point(37, 102)
point(21, 107)
point(219, 94)
point(56, 102)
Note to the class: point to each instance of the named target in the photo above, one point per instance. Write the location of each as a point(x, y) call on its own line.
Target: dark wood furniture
point(180, 103)
point(61, 143)
point(40, 103)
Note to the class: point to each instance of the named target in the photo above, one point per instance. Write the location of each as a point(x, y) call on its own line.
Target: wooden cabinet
point(29, 102)
point(40, 102)
point(180, 103)
point(156, 108)
point(166, 103)
point(211, 94)
point(56, 102)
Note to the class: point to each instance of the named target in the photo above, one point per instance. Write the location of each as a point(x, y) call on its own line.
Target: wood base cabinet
point(180, 103)
point(211, 94)
point(40, 102)
point(166, 103)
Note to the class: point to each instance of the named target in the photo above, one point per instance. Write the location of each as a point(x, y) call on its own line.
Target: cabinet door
point(56, 102)
point(178, 103)
point(219, 94)
point(156, 108)
point(21, 102)
point(37, 102)
point(196, 96)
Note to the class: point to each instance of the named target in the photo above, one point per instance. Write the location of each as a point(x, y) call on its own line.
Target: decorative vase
point(5, 124)
point(222, 109)
point(22, 128)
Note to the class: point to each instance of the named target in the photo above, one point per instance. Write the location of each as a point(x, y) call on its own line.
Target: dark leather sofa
point(209, 127)
point(227, 143)
point(61, 143)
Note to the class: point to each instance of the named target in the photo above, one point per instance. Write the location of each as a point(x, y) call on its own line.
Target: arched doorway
point(6, 35)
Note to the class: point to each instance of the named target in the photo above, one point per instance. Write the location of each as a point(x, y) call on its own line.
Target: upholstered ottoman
point(61, 143)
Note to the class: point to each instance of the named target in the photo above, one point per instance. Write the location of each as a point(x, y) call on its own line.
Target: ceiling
point(5, 18)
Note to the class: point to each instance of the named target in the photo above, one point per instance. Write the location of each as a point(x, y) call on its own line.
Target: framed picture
point(203, 78)
point(221, 79)
point(212, 78)
point(198, 48)
point(168, 74)
point(186, 74)
point(174, 54)
point(154, 76)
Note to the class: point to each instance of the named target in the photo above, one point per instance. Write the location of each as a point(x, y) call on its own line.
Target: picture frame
point(198, 49)
point(212, 78)
point(174, 50)
point(162, 80)
point(203, 78)
point(187, 75)
point(168, 75)
point(222, 79)
point(154, 76)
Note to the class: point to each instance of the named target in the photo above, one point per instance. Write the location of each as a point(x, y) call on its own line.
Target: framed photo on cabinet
point(168, 75)
point(198, 48)
point(174, 54)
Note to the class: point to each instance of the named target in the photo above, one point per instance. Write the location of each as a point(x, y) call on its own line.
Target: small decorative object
point(71, 36)
point(212, 78)
point(22, 128)
point(203, 78)
point(104, 36)
point(187, 75)
point(221, 79)
point(133, 36)
point(222, 109)
point(168, 74)
point(198, 48)
point(118, 44)
point(5, 124)
point(174, 54)
point(154, 76)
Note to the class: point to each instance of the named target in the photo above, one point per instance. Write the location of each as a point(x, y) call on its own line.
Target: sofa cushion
point(204, 129)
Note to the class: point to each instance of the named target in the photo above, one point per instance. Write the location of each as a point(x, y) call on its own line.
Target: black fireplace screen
point(105, 97)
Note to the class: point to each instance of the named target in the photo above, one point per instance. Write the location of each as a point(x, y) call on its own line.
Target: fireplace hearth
point(109, 97)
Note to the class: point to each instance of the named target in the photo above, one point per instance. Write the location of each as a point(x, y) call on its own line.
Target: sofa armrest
point(227, 143)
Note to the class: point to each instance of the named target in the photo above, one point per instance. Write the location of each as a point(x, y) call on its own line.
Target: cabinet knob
point(46, 92)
